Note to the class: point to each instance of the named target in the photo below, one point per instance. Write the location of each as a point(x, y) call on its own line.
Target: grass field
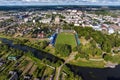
point(88, 63)
point(66, 38)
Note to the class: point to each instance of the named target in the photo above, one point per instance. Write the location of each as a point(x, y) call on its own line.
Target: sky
point(59, 2)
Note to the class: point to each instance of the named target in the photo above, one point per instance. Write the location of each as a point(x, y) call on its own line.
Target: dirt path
point(96, 59)
point(71, 57)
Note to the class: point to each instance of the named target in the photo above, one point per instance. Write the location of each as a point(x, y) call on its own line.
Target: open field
point(66, 38)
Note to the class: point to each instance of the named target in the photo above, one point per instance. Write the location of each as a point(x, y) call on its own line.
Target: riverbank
point(88, 63)
point(80, 62)
point(87, 73)
point(37, 54)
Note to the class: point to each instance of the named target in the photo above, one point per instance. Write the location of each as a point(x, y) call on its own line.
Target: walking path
point(96, 59)
point(71, 57)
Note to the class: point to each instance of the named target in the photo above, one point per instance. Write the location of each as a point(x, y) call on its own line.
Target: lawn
point(115, 58)
point(66, 38)
point(88, 63)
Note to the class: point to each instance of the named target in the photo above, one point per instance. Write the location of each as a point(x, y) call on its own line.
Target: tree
point(63, 49)
point(107, 57)
point(106, 46)
point(44, 44)
point(117, 42)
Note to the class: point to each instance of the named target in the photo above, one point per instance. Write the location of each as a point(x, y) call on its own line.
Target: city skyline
point(59, 2)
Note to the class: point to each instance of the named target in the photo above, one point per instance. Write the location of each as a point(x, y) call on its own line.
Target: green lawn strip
point(87, 63)
point(41, 72)
point(33, 69)
point(48, 72)
point(24, 63)
point(30, 68)
point(27, 68)
point(38, 72)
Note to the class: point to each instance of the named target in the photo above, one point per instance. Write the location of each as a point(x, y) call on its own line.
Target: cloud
point(31, 0)
point(61, 2)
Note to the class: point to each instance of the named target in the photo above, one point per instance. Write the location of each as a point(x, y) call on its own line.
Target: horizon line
point(58, 5)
